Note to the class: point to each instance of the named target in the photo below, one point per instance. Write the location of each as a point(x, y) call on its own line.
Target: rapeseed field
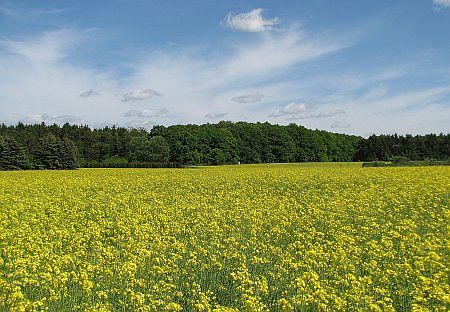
point(230, 238)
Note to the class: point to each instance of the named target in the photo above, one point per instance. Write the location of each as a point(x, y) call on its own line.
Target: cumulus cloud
point(215, 115)
point(139, 95)
point(207, 84)
point(442, 3)
point(249, 98)
point(294, 111)
point(252, 21)
point(156, 112)
point(340, 124)
point(51, 119)
point(88, 93)
point(40, 72)
point(291, 109)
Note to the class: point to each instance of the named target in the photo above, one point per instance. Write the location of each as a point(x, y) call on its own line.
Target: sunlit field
point(308, 237)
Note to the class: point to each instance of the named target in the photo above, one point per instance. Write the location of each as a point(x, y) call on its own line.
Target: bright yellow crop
point(231, 238)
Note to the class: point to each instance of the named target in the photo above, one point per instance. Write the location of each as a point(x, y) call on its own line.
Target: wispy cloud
point(156, 112)
point(340, 125)
point(252, 21)
point(215, 115)
point(408, 100)
point(417, 111)
point(139, 95)
point(442, 3)
point(206, 84)
point(285, 49)
point(38, 75)
point(24, 12)
point(41, 73)
point(88, 93)
point(249, 98)
point(51, 46)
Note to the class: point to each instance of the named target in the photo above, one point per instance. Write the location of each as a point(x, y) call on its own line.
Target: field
point(248, 238)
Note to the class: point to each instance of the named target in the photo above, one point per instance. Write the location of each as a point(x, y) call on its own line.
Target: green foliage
point(227, 143)
point(115, 161)
point(68, 154)
point(130, 164)
point(12, 155)
point(47, 152)
point(419, 147)
point(138, 148)
point(404, 162)
point(376, 164)
point(158, 150)
point(55, 147)
point(51, 153)
point(399, 159)
point(155, 149)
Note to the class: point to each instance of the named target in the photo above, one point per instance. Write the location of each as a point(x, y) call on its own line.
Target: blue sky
point(358, 67)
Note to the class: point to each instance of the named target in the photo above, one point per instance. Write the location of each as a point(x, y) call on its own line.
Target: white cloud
point(295, 111)
point(139, 95)
point(51, 119)
point(138, 124)
point(156, 112)
point(330, 113)
point(406, 111)
point(252, 21)
point(442, 3)
point(39, 75)
point(215, 115)
point(276, 53)
point(194, 85)
point(291, 109)
point(88, 93)
point(249, 98)
point(46, 48)
point(340, 124)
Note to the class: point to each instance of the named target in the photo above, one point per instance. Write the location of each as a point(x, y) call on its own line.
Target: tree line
point(396, 147)
point(47, 152)
point(41, 146)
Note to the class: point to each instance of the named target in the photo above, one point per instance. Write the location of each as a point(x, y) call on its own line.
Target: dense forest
point(43, 146)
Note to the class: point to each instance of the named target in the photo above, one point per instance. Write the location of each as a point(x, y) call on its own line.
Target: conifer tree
point(13, 155)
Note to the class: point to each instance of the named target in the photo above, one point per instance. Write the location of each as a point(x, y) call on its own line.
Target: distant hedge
point(407, 163)
point(376, 164)
point(133, 164)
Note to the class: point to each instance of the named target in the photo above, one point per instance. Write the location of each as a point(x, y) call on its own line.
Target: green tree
point(13, 155)
point(158, 150)
point(218, 157)
point(138, 148)
point(47, 153)
point(144, 150)
point(68, 154)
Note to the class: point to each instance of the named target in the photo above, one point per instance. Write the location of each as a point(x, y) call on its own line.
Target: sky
point(356, 67)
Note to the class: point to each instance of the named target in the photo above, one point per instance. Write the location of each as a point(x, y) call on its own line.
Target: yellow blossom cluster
point(229, 238)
